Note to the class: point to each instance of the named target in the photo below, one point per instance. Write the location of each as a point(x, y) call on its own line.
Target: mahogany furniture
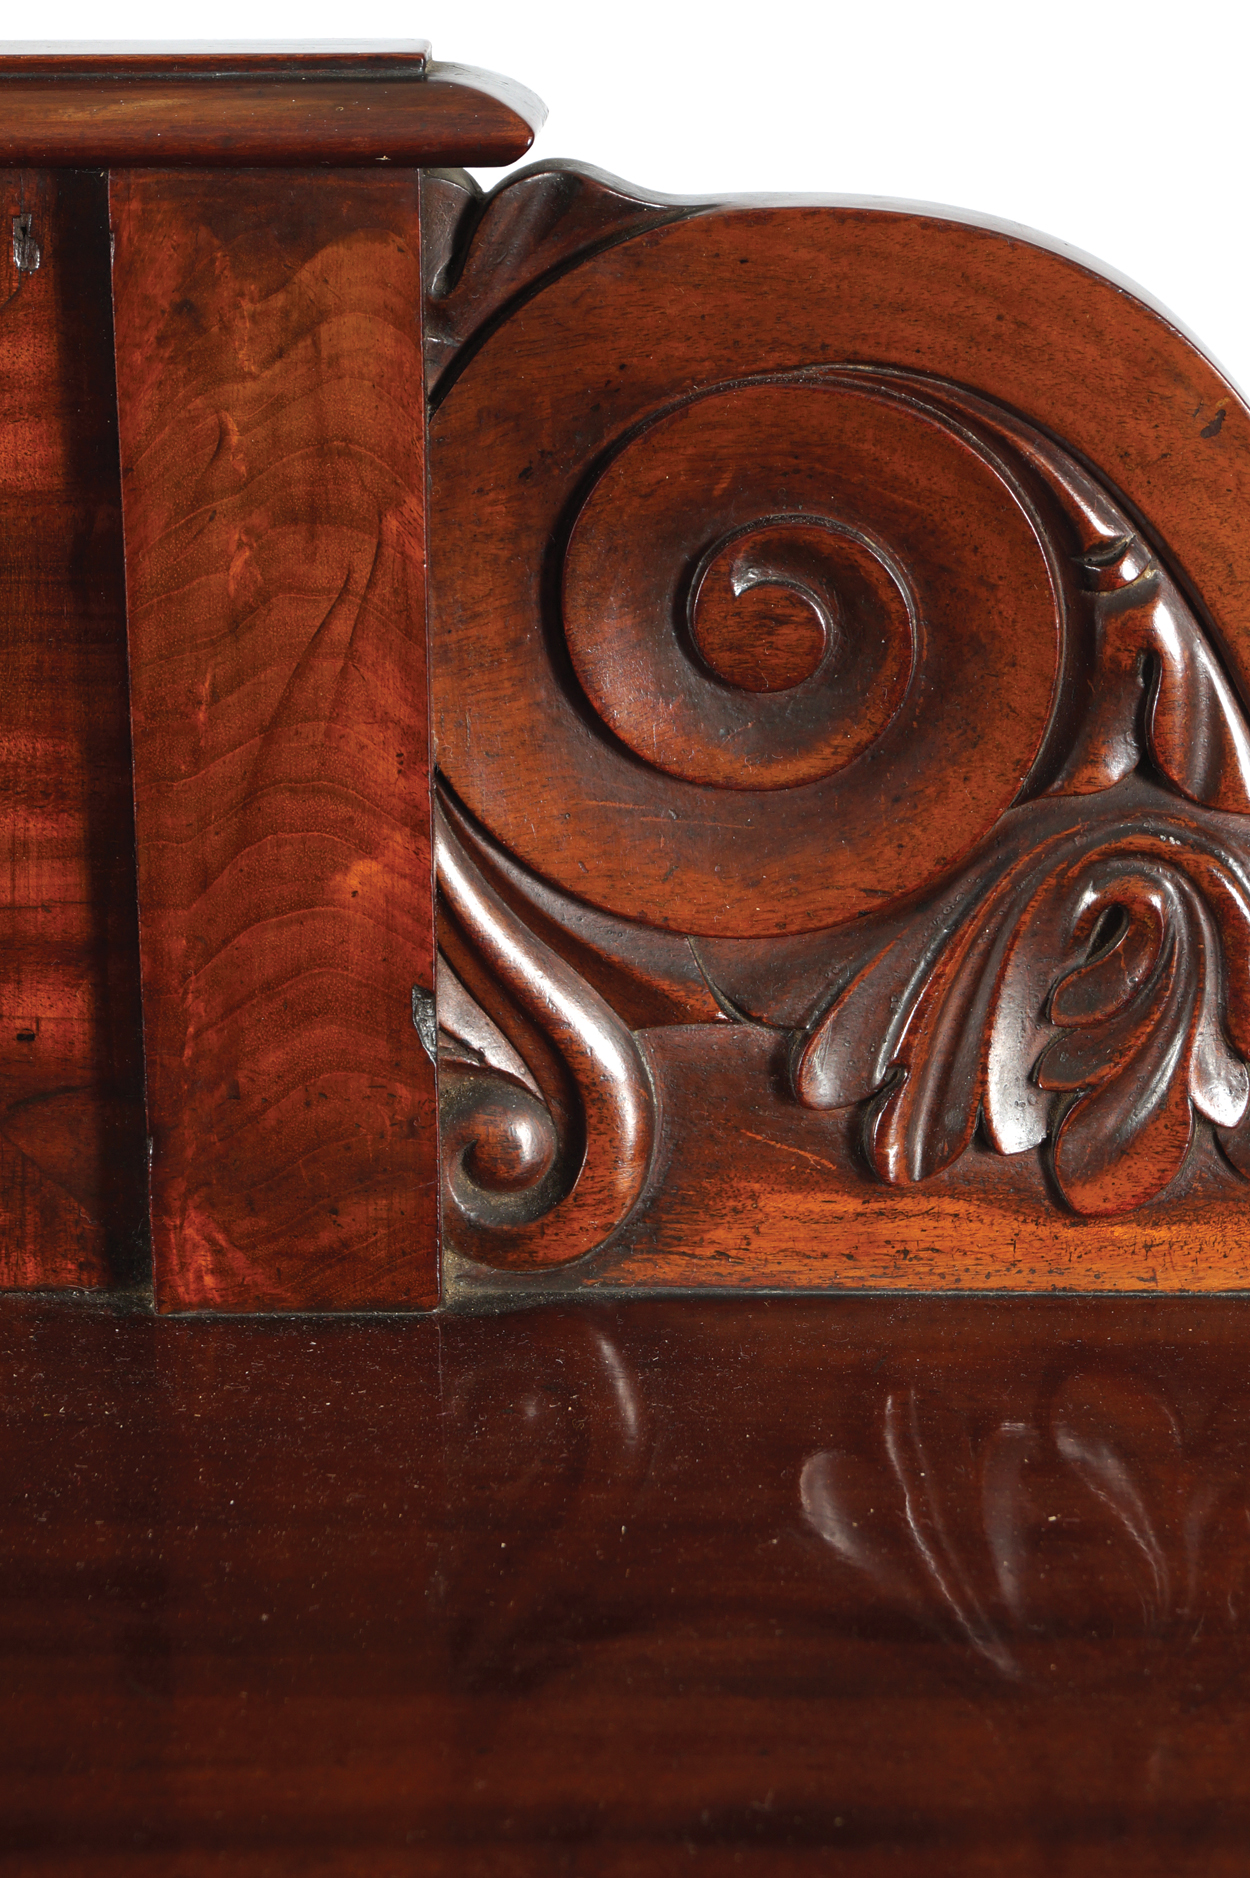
point(772, 1586)
point(837, 707)
point(571, 750)
point(839, 672)
point(838, 789)
point(226, 364)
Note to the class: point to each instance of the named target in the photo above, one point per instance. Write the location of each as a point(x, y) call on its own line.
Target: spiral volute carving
point(835, 656)
point(782, 604)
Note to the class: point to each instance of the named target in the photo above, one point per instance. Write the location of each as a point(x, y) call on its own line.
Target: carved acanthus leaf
point(1086, 986)
point(850, 692)
point(1159, 692)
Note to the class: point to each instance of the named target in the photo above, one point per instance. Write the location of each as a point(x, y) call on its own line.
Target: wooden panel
point(797, 1587)
point(841, 696)
point(72, 1203)
point(272, 446)
point(238, 104)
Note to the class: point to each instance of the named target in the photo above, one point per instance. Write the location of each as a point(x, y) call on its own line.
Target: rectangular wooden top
point(213, 58)
point(243, 103)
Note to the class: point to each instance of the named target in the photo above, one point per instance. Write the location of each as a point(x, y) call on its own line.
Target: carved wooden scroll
point(840, 668)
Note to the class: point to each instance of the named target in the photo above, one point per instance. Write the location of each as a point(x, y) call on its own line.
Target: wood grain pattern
point(752, 1586)
point(272, 443)
point(903, 719)
point(130, 112)
point(72, 1158)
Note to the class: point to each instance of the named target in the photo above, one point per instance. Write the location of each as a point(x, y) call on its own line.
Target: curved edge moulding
point(839, 657)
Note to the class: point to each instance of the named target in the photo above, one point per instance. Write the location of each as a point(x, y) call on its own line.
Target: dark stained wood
point(833, 638)
point(268, 352)
point(482, 253)
point(72, 1155)
point(75, 59)
point(135, 106)
point(897, 1586)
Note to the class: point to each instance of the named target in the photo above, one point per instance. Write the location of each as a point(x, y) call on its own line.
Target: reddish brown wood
point(268, 352)
point(72, 1158)
point(534, 1185)
point(483, 253)
point(834, 629)
point(935, 1587)
point(232, 105)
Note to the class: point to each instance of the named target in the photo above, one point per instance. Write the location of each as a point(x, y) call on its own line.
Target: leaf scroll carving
point(1085, 990)
point(1155, 692)
point(856, 708)
point(1090, 991)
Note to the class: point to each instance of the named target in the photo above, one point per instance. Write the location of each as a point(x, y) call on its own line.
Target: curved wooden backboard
point(840, 660)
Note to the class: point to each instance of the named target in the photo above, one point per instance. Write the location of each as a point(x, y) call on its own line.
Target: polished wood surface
point(866, 641)
point(268, 355)
point(135, 105)
point(75, 59)
point(841, 842)
point(840, 688)
point(72, 1156)
point(936, 1587)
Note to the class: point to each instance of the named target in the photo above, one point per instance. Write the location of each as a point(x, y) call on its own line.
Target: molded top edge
point(210, 58)
point(238, 105)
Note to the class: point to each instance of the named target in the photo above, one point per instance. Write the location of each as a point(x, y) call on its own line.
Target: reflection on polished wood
point(725, 1586)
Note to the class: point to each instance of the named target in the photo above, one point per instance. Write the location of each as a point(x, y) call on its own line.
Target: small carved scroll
point(538, 1168)
point(827, 748)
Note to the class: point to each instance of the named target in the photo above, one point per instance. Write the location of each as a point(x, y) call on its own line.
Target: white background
point(1121, 129)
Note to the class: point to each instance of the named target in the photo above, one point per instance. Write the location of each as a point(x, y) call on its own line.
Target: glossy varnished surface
point(273, 475)
point(137, 105)
point(72, 1162)
point(841, 687)
point(945, 1587)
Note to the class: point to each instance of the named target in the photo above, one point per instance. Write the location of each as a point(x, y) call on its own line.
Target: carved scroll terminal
point(535, 1175)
